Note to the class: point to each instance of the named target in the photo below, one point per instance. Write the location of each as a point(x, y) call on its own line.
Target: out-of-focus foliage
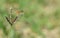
point(37, 15)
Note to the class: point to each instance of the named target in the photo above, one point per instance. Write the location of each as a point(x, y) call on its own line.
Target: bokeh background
point(39, 19)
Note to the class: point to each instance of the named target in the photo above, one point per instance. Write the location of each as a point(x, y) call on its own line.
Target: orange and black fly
point(9, 19)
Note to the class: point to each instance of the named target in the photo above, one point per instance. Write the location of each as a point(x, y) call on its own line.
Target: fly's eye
point(18, 12)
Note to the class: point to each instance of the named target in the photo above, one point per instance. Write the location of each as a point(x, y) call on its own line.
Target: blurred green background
point(40, 19)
